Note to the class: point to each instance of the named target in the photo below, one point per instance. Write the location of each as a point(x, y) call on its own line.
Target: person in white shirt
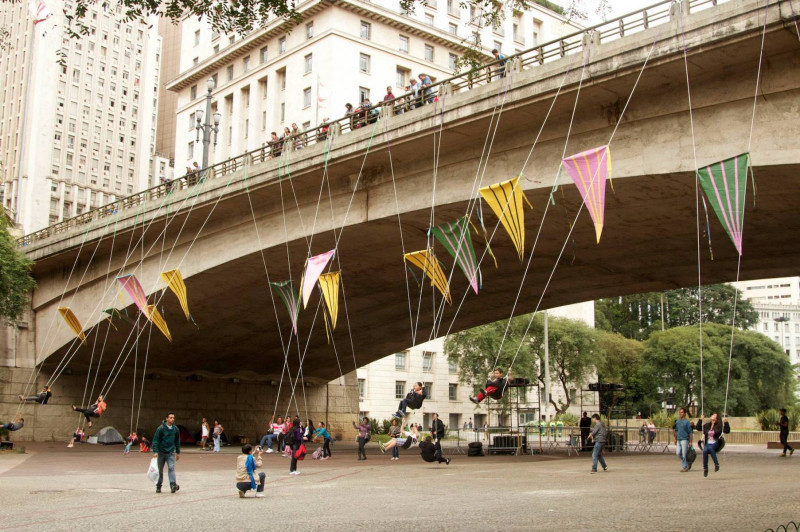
point(277, 426)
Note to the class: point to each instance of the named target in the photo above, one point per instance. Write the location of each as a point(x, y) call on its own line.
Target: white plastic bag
point(152, 471)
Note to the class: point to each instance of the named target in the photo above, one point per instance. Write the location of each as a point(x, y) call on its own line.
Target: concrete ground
point(93, 487)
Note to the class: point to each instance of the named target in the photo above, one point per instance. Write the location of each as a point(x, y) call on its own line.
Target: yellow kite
point(505, 200)
point(329, 286)
point(426, 261)
point(73, 322)
point(174, 280)
point(155, 317)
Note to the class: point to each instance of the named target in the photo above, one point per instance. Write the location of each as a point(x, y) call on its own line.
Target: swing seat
point(407, 444)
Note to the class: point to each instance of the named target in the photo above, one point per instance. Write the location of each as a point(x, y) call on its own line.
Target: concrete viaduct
point(264, 217)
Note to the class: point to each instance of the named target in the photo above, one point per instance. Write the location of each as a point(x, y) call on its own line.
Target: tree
point(573, 353)
point(622, 360)
point(760, 373)
point(637, 316)
point(15, 275)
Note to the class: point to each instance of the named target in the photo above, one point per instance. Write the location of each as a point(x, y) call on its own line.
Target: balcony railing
point(637, 21)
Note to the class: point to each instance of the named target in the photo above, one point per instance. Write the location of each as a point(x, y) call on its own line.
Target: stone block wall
point(243, 404)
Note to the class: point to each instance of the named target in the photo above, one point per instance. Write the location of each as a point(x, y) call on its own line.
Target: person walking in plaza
point(599, 438)
point(246, 465)
point(217, 435)
point(294, 439)
point(363, 437)
point(430, 452)
point(167, 450)
point(712, 434)
point(205, 430)
point(783, 425)
point(96, 409)
point(323, 433)
point(437, 432)
point(683, 439)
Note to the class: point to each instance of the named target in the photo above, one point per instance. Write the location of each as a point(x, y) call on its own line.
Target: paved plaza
point(93, 487)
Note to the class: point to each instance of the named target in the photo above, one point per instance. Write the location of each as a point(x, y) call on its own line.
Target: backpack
point(300, 453)
point(316, 455)
point(288, 438)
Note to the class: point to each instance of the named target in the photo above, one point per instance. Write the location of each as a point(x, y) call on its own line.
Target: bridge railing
point(640, 20)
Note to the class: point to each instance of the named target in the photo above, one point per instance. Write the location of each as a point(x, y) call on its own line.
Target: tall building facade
point(77, 118)
point(341, 52)
point(383, 383)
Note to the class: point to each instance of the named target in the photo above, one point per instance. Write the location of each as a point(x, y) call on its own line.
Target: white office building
point(383, 383)
point(77, 117)
point(341, 52)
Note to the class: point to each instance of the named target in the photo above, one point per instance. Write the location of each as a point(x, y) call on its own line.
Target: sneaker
point(447, 461)
point(158, 489)
point(684, 470)
point(270, 451)
point(783, 454)
point(174, 488)
point(241, 494)
point(716, 468)
point(791, 452)
point(295, 472)
point(705, 472)
point(382, 446)
point(70, 445)
point(474, 400)
point(594, 471)
point(260, 494)
point(690, 467)
point(605, 468)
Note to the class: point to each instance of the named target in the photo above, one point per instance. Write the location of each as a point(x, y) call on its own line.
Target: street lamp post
point(782, 320)
point(207, 127)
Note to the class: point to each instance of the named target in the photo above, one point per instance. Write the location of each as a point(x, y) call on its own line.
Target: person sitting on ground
point(77, 436)
point(495, 386)
point(96, 409)
point(131, 440)
point(41, 398)
point(430, 453)
point(246, 465)
point(413, 400)
point(14, 425)
point(326, 439)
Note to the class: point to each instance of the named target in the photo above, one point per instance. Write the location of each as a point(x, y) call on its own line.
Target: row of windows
point(401, 389)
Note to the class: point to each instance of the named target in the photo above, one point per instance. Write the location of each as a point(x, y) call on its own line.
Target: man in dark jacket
point(429, 452)
point(437, 431)
point(783, 425)
point(41, 398)
point(586, 426)
point(413, 400)
point(496, 386)
point(167, 449)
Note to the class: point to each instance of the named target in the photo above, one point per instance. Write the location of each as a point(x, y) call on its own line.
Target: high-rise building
point(78, 115)
point(340, 52)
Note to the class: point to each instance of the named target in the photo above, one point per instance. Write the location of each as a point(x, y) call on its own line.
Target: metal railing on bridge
point(625, 25)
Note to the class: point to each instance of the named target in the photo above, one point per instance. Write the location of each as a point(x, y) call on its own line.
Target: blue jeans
point(169, 458)
point(597, 454)
point(710, 448)
point(395, 452)
point(266, 441)
point(216, 444)
point(681, 450)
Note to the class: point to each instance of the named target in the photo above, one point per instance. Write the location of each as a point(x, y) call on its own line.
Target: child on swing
point(413, 400)
point(495, 386)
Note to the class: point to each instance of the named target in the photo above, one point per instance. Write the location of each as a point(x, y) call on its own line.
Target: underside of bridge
point(651, 240)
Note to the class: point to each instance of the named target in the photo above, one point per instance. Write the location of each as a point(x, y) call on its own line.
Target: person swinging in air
point(496, 386)
point(41, 398)
point(94, 410)
point(413, 400)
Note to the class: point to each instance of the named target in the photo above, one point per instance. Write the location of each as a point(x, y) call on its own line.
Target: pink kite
point(131, 285)
point(314, 268)
point(589, 171)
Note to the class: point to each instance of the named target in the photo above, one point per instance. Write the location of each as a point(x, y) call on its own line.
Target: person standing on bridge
point(167, 449)
point(96, 409)
point(501, 66)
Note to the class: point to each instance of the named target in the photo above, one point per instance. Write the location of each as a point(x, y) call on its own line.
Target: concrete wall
point(243, 408)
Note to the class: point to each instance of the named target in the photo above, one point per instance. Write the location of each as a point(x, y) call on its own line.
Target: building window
point(230, 72)
point(308, 63)
point(452, 28)
point(363, 94)
point(453, 8)
point(306, 97)
point(197, 38)
point(429, 389)
point(428, 53)
point(428, 19)
point(403, 47)
point(362, 388)
point(452, 367)
point(498, 46)
point(281, 45)
point(427, 361)
point(283, 112)
point(309, 30)
point(452, 392)
point(366, 30)
point(246, 64)
point(400, 77)
point(263, 55)
point(399, 389)
point(363, 63)
point(400, 360)
point(452, 61)
point(190, 150)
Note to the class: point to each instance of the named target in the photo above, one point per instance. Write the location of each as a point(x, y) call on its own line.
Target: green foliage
point(638, 316)
point(569, 420)
point(573, 353)
point(551, 6)
point(4, 434)
point(374, 428)
point(664, 420)
point(386, 424)
point(760, 374)
point(16, 282)
point(769, 419)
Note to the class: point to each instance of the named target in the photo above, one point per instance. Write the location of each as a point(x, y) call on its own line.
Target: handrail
point(643, 19)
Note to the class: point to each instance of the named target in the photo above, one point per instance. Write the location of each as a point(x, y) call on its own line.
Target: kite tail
point(708, 227)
